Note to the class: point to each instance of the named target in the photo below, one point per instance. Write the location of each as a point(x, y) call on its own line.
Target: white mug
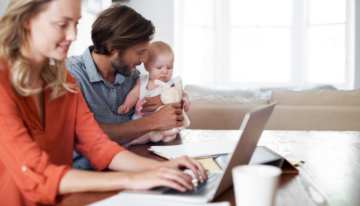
point(255, 185)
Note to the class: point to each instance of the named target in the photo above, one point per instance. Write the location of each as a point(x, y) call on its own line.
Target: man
point(106, 72)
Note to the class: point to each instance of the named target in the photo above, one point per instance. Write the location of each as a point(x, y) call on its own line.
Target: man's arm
point(167, 117)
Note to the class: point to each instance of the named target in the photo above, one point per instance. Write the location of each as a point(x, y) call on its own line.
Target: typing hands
point(169, 174)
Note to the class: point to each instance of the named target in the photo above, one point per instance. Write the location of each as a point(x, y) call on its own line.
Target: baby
point(160, 66)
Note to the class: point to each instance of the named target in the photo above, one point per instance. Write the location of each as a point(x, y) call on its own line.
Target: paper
point(209, 164)
point(125, 199)
point(296, 163)
point(196, 150)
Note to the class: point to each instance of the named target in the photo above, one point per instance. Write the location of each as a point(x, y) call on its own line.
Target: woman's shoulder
point(4, 72)
point(4, 66)
point(6, 88)
point(69, 78)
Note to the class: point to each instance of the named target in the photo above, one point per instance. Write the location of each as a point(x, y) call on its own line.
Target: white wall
point(161, 13)
point(357, 45)
point(3, 6)
point(83, 40)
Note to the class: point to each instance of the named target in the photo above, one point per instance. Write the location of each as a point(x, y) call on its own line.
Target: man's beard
point(119, 65)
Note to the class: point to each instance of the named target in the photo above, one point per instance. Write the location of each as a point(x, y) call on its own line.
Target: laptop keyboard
point(200, 188)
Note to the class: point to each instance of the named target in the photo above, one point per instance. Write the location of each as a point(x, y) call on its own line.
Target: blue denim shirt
point(102, 98)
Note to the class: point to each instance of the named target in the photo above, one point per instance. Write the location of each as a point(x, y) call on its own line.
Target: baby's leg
point(140, 140)
point(165, 136)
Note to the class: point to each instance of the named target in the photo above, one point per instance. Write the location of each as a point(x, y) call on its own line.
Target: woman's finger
point(180, 177)
point(186, 162)
point(199, 168)
point(171, 184)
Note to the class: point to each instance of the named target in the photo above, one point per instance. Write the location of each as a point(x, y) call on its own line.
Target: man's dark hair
point(119, 28)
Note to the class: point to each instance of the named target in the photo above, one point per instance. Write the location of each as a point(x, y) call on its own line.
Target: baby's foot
point(170, 132)
point(169, 138)
point(155, 136)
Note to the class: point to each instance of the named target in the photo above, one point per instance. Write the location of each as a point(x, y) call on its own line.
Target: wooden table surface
point(329, 176)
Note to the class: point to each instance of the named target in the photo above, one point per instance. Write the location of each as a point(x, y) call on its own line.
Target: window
point(261, 43)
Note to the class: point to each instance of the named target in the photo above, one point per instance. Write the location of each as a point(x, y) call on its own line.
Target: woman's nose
point(71, 34)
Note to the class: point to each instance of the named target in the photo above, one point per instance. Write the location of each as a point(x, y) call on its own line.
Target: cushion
point(317, 97)
point(227, 91)
point(224, 100)
point(207, 90)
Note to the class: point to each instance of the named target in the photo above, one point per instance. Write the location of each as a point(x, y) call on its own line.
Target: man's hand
point(168, 117)
point(151, 104)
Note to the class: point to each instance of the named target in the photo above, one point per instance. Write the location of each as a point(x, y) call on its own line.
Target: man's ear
point(111, 51)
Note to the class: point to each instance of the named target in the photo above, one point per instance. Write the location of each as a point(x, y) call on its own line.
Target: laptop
point(219, 181)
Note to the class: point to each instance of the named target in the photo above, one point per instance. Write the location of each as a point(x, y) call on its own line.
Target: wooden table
point(330, 175)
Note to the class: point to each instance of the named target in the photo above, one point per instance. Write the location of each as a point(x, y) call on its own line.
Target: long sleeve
point(28, 165)
point(90, 140)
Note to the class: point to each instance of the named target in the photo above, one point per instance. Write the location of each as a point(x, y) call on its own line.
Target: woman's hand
point(169, 174)
point(189, 163)
point(160, 177)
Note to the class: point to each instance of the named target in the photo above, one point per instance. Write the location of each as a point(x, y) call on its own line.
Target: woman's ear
point(26, 24)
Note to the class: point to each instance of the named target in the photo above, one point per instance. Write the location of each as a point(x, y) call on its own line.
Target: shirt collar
point(94, 75)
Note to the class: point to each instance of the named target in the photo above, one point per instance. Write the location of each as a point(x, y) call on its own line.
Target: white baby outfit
point(144, 81)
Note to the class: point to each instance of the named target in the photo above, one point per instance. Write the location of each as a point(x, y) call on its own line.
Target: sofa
point(322, 108)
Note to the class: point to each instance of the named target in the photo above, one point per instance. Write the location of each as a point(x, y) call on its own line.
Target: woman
point(43, 117)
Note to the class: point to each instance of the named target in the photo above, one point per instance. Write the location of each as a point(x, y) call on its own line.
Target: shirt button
point(23, 168)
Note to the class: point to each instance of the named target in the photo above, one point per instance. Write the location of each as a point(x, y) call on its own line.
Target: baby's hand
point(123, 109)
point(185, 104)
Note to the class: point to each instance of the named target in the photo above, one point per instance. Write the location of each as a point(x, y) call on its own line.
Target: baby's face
point(161, 67)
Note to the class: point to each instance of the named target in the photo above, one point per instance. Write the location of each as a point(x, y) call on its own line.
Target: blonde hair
point(13, 37)
point(157, 47)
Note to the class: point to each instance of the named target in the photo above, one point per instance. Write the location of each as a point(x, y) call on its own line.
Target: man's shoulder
point(76, 66)
point(75, 63)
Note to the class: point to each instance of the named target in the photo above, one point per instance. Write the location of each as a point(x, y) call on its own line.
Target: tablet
point(261, 155)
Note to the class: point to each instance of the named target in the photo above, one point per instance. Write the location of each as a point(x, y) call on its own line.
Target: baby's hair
point(157, 47)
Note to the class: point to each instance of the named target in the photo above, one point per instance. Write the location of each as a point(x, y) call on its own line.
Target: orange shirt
point(33, 159)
